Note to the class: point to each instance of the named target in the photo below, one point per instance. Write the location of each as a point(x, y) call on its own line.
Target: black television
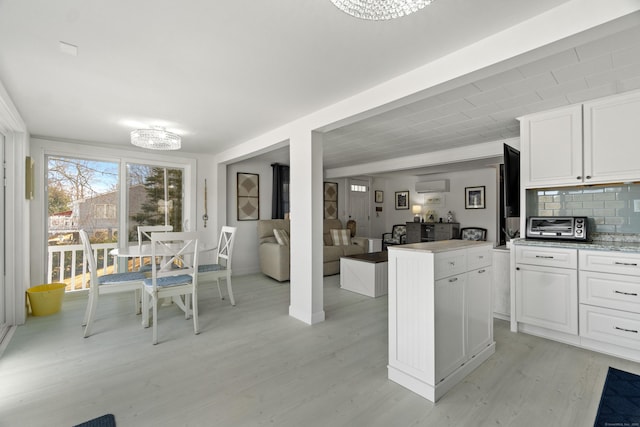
point(511, 182)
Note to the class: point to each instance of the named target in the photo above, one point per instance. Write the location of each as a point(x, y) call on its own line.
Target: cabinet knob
point(588, 176)
point(517, 268)
point(578, 177)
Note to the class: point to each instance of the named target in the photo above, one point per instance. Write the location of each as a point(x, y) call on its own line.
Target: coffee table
point(365, 274)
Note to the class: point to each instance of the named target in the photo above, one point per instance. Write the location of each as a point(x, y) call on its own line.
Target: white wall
point(245, 251)
point(454, 199)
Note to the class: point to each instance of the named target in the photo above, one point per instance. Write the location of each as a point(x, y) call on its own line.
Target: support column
point(306, 283)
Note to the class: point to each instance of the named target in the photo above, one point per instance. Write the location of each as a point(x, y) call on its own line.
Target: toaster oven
point(558, 228)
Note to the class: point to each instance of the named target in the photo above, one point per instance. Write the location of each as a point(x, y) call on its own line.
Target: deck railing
point(66, 264)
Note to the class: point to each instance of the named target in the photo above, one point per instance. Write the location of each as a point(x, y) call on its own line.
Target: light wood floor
point(254, 365)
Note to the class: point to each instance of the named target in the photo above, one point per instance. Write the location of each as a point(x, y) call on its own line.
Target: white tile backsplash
point(615, 209)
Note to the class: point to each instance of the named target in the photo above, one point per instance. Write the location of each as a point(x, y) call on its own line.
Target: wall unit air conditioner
point(439, 186)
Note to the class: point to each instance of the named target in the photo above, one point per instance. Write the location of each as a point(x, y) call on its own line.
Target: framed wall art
point(402, 200)
point(378, 196)
point(474, 197)
point(248, 196)
point(330, 200)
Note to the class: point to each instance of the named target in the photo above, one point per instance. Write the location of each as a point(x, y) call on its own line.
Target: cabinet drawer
point(610, 262)
point(610, 290)
point(479, 257)
point(550, 257)
point(450, 263)
point(612, 326)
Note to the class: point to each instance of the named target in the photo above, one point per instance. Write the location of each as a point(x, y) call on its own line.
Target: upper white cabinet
point(594, 142)
point(551, 146)
point(612, 139)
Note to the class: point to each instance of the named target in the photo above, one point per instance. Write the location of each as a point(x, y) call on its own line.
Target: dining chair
point(221, 269)
point(175, 276)
point(144, 233)
point(106, 284)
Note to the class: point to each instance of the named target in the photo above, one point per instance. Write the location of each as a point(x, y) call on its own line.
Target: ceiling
point(221, 73)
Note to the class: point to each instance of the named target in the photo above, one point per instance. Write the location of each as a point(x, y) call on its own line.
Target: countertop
point(596, 245)
point(438, 246)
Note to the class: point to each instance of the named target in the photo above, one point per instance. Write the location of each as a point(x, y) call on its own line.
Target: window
point(358, 188)
point(105, 211)
point(155, 197)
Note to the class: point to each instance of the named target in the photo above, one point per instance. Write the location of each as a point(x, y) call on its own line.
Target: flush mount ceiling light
point(155, 139)
point(380, 10)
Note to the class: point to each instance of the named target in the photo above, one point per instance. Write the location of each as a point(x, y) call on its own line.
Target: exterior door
point(359, 206)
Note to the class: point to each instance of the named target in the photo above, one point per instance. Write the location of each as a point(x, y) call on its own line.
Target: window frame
point(42, 148)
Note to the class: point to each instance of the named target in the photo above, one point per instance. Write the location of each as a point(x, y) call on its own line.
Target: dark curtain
point(280, 199)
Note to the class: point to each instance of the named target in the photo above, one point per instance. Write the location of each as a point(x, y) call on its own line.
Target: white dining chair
point(221, 269)
point(175, 276)
point(106, 284)
point(144, 234)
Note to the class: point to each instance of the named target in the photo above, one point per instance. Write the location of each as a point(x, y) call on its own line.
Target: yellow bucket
point(46, 299)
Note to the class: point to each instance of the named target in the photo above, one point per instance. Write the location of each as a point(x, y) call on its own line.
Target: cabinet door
point(449, 325)
point(501, 284)
point(478, 302)
point(547, 297)
point(612, 139)
point(551, 146)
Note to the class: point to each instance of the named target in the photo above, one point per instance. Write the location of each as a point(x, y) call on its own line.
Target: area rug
point(620, 401)
point(104, 421)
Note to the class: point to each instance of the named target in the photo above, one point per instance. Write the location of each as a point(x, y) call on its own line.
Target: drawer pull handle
point(626, 330)
point(455, 279)
point(632, 264)
point(544, 256)
point(481, 271)
point(633, 294)
point(452, 263)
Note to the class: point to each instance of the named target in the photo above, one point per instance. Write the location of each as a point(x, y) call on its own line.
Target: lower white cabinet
point(440, 313)
point(592, 300)
point(501, 284)
point(450, 345)
point(547, 297)
point(478, 296)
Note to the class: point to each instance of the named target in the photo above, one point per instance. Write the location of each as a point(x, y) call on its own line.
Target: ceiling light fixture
point(155, 138)
point(380, 10)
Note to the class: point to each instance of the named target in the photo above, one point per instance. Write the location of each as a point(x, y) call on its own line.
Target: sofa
point(274, 257)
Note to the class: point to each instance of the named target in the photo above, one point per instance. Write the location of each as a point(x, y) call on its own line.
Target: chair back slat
point(89, 256)
point(225, 245)
point(178, 252)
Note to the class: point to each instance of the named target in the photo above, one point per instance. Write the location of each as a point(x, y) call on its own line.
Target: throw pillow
point(341, 237)
point(281, 236)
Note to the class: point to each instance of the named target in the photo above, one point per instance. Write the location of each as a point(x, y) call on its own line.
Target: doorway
point(359, 206)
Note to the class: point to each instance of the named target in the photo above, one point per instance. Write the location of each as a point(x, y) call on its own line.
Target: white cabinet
point(547, 288)
point(610, 302)
point(450, 321)
point(594, 142)
point(440, 313)
point(551, 147)
point(478, 297)
point(547, 297)
point(611, 145)
point(501, 284)
point(585, 297)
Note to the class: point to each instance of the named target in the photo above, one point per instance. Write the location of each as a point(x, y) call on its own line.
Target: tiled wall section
point(614, 209)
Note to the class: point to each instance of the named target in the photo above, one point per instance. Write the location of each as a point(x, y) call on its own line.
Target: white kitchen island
point(440, 313)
